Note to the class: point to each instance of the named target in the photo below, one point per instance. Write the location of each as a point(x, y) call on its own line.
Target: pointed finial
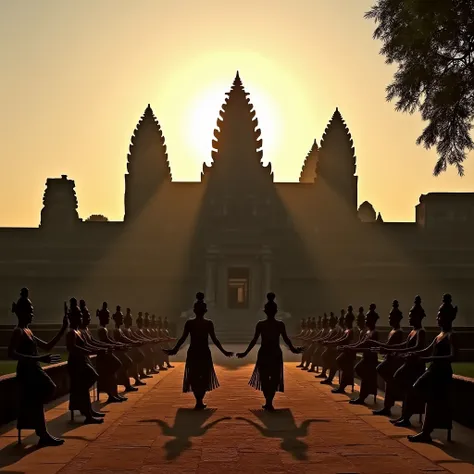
point(237, 79)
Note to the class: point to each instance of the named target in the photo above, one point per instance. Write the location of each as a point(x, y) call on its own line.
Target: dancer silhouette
point(35, 387)
point(199, 374)
point(268, 373)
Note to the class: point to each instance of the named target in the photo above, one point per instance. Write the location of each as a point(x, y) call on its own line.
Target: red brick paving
point(157, 432)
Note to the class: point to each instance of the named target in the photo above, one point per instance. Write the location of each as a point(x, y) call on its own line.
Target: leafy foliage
point(432, 41)
point(97, 218)
point(367, 212)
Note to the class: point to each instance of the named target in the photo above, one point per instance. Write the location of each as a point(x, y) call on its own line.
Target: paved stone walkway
point(157, 432)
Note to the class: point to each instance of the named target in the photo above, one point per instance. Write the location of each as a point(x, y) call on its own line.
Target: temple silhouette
point(236, 234)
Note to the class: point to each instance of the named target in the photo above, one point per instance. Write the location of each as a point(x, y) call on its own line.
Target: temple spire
point(147, 163)
point(237, 144)
point(308, 172)
point(336, 164)
point(148, 148)
point(336, 140)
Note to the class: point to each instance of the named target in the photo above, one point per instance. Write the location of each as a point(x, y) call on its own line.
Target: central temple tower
point(237, 146)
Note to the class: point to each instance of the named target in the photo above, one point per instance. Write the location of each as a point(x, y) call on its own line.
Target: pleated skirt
point(199, 373)
point(268, 371)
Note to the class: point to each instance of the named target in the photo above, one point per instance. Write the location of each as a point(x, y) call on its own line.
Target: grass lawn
point(465, 369)
point(9, 366)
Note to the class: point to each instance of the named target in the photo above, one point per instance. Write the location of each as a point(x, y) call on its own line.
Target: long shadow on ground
point(14, 452)
point(281, 424)
point(188, 424)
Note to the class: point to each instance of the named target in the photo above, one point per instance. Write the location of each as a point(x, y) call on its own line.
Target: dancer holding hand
point(268, 373)
point(199, 374)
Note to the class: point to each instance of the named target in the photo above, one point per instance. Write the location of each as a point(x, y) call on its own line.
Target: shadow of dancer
point(281, 424)
point(188, 424)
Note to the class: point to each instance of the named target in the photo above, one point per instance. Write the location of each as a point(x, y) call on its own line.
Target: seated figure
point(121, 350)
point(366, 368)
point(333, 334)
point(435, 384)
point(331, 354)
point(345, 360)
point(139, 356)
point(391, 363)
point(134, 353)
point(360, 325)
point(107, 364)
point(151, 362)
point(82, 373)
point(412, 368)
point(310, 345)
point(35, 387)
point(301, 336)
point(316, 359)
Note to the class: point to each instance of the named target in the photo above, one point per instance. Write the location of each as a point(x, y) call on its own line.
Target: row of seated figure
point(333, 345)
point(124, 354)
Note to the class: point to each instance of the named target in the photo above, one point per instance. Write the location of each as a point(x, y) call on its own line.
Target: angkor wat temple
point(237, 234)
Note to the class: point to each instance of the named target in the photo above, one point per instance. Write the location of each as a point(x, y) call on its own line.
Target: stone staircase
point(241, 335)
point(235, 328)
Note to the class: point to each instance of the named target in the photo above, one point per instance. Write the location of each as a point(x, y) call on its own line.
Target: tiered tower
point(308, 172)
point(336, 167)
point(237, 147)
point(148, 166)
point(59, 204)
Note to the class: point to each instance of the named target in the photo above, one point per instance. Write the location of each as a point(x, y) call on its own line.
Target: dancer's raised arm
point(47, 346)
point(241, 355)
point(180, 341)
point(216, 341)
point(284, 335)
point(13, 353)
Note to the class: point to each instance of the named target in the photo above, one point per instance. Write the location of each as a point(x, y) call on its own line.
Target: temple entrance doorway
point(238, 284)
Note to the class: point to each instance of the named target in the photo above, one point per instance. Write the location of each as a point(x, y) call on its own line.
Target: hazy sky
point(77, 75)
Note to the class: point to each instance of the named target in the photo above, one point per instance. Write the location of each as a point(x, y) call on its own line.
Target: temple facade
point(236, 234)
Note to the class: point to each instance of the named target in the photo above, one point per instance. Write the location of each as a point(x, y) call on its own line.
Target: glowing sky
point(77, 75)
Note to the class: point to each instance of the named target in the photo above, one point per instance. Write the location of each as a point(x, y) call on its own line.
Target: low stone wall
point(462, 399)
point(9, 390)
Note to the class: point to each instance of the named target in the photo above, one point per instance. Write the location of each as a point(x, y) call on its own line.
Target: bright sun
point(194, 94)
point(205, 109)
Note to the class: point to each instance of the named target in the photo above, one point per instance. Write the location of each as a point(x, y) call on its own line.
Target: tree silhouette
point(97, 218)
point(367, 212)
point(433, 44)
